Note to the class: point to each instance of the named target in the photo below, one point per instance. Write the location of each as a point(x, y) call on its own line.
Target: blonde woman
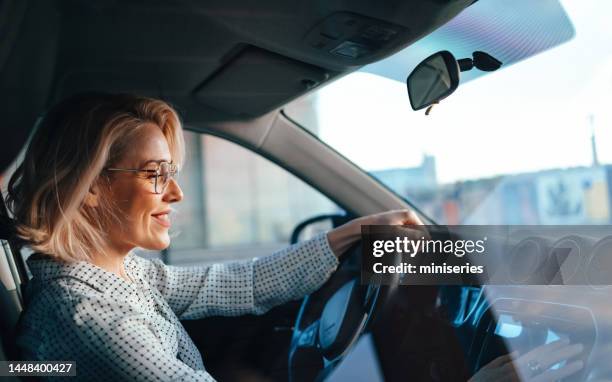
point(97, 181)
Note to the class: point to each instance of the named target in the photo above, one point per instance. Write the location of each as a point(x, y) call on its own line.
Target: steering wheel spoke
point(331, 320)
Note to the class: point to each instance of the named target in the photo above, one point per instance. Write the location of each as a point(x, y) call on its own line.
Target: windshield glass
point(527, 144)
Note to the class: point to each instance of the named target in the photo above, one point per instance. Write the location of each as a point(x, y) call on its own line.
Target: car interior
point(230, 68)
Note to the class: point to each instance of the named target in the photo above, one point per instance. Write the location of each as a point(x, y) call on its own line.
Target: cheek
point(140, 209)
point(133, 202)
point(134, 205)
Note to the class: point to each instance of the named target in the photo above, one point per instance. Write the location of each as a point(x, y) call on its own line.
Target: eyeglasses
point(162, 174)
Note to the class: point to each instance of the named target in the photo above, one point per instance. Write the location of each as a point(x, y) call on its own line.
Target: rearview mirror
point(432, 80)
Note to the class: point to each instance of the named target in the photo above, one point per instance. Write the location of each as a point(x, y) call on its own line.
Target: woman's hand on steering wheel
point(342, 238)
point(538, 365)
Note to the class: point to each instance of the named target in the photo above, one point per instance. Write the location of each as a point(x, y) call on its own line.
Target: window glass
point(527, 144)
point(237, 204)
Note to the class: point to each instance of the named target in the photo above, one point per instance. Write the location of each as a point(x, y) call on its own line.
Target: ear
point(92, 199)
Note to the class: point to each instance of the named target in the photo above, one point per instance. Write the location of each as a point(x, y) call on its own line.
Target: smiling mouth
point(162, 219)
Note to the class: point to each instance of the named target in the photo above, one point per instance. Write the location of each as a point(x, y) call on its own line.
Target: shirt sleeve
point(244, 287)
point(114, 340)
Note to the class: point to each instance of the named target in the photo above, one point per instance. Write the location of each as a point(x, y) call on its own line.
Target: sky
point(528, 116)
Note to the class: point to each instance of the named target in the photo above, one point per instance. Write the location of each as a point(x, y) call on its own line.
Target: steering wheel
point(331, 319)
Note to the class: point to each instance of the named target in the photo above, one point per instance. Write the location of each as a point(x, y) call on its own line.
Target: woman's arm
point(242, 287)
point(255, 286)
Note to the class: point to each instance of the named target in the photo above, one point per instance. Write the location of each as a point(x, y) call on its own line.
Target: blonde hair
point(67, 154)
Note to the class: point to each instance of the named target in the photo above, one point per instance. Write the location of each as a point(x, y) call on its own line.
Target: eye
point(151, 174)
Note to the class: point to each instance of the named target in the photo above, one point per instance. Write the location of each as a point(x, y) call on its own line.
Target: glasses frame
point(173, 172)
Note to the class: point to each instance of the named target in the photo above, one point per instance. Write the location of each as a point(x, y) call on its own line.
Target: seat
point(13, 278)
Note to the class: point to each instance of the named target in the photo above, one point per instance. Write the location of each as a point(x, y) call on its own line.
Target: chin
point(158, 244)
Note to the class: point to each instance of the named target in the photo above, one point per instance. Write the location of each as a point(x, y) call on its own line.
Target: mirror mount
point(428, 110)
point(465, 64)
point(481, 60)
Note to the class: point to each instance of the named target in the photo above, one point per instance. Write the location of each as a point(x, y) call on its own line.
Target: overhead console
point(353, 38)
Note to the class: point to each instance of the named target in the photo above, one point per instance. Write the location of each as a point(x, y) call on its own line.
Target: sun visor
point(257, 81)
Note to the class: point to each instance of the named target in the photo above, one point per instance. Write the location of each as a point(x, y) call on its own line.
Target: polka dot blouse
point(116, 330)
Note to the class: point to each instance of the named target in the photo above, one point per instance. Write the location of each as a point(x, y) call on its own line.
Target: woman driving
point(98, 180)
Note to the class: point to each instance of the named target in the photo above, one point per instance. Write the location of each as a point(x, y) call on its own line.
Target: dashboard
point(448, 333)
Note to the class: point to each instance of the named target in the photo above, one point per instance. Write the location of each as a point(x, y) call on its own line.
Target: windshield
point(527, 144)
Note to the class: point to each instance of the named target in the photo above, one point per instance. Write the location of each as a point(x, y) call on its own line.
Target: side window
point(237, 204)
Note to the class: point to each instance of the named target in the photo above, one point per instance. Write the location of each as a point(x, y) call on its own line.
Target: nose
point(173, 192)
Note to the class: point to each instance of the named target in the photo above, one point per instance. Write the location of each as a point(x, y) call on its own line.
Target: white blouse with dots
point(117, 330)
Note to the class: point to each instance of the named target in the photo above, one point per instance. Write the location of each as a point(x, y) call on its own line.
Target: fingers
point(561, 354)
point(545, 349)
point(404, 219)
point(413, 232)
point(503, 368)
point(411, 218)
point(560, 373)
point(395, 217)
point(552, 353)
point(547, 356)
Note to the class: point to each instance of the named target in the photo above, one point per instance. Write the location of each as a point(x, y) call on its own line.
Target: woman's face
point(145, 215)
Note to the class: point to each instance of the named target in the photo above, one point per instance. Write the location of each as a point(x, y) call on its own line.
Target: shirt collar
point(45, 268)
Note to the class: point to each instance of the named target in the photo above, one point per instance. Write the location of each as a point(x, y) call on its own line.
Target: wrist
point(342, 238)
